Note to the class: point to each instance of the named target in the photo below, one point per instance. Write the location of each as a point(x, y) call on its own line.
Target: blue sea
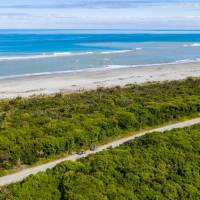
point(37, 52)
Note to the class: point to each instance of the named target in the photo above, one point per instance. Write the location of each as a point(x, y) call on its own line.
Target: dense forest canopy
point(159, 166)
point(40, 127)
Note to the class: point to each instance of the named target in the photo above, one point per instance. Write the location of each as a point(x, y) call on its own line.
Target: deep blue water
point(23, 53)
point(34, 43)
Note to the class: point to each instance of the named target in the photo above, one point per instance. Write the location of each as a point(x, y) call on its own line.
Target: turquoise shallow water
point(39, 52)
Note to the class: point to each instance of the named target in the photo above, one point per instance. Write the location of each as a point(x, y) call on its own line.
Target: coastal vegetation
point(40, 127)
point(158, 166)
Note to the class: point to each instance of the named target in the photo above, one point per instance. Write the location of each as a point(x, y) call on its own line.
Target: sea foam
point(105, 67)
point(59, 54)
point(116, 52)
point(43, 55)
point(192, 45)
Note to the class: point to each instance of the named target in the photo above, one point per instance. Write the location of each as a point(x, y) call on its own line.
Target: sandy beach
point(86, 80)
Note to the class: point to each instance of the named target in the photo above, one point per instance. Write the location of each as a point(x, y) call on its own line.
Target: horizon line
point(99, 29)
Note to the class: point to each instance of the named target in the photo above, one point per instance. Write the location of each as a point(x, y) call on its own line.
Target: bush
point(39, 127)
point(155, 166)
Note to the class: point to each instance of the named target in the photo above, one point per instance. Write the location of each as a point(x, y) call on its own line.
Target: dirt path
point(18, 176)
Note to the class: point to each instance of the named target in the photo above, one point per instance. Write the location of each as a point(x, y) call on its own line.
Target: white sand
point(77, 81)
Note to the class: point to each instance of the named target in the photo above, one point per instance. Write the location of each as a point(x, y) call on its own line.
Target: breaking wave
point(58, 54)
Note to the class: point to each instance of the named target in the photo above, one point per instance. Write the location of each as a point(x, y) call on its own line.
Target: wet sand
point(87, 80)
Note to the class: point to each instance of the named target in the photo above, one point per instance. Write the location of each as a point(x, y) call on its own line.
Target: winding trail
point(19, 176)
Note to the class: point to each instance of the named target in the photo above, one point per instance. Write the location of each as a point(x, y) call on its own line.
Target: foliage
point(158, 166)
point(41, 127)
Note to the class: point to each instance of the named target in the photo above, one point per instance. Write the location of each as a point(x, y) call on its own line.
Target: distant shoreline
point(87, 80)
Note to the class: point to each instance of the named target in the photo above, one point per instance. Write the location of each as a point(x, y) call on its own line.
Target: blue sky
point(97, 14)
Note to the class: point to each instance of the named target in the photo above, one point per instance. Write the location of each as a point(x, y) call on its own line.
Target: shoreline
point(87, 80)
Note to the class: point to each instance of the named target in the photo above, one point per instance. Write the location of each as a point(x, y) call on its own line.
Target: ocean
point(37, 52)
